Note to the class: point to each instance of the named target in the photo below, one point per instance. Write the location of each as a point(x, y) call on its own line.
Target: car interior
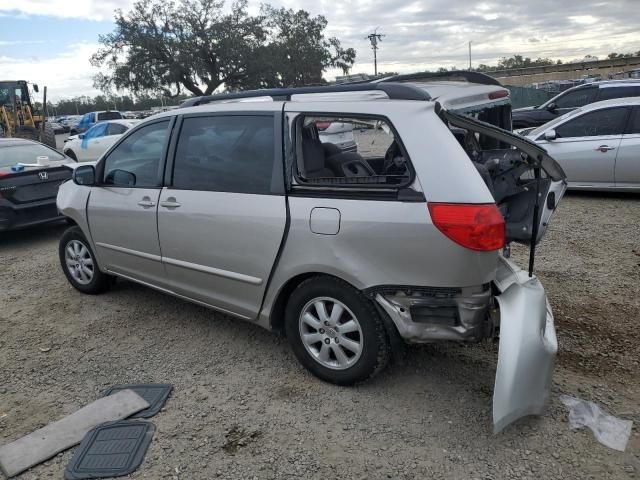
point(381, 162)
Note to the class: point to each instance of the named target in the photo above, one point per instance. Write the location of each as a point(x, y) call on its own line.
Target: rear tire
point(49, 136)
point(345, 347)
point(79, 263)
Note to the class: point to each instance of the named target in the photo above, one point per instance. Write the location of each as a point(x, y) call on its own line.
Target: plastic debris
point(608, 430)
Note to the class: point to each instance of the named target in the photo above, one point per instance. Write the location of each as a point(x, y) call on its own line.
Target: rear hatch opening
point(525, 182)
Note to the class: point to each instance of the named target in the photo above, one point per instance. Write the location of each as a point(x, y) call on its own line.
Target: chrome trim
point(214, 271)
point(182, 297)
point(135, 253)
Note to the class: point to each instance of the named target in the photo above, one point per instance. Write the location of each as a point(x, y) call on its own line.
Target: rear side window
point(116, 129)
point(225, 154)
point(109, 116)
point(576, 98)
point(607, 93)
point(349, 151)
point(634, 123)
point(137, 160)
point(610, 121)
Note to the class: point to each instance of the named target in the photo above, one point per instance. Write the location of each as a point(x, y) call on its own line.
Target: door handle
point(146, 202)
point(170, 203)
point(604, 148)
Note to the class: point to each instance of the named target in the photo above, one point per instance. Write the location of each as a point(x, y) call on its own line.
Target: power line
point(375, 38)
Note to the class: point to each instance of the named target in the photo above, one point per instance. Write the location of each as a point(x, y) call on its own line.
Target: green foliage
point(197, 46)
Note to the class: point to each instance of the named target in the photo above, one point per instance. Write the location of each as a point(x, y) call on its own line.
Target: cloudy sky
point(50, 41)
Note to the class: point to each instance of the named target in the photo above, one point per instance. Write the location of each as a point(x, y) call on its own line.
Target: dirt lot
point(243, 408)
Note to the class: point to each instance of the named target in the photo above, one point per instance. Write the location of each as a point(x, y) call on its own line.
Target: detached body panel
point(528, 346)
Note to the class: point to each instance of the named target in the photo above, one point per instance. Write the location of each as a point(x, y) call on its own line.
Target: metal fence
point(528, 97)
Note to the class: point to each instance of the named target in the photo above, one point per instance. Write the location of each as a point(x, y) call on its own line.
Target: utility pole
point(469, 54)
point(375, 38)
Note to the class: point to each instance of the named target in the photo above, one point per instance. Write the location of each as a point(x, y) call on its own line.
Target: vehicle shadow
point(32, 235)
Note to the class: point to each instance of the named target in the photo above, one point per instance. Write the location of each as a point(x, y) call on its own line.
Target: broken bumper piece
point(528, 347)
point(528, 343)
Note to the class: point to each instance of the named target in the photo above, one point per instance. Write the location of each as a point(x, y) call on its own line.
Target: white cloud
point(67, 75)
point(420, 34)
point(87, 9)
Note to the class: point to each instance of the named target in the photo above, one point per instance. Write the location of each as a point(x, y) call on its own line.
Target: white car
point(597, 145)
point(338, 133)
point(89, 146)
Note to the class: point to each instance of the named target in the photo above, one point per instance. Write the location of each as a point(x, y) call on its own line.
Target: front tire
point(79, 263)
point(71, 155)
point(335, 331)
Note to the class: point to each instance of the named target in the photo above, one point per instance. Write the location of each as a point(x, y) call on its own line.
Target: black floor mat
point(112, 449)
point(154, 393)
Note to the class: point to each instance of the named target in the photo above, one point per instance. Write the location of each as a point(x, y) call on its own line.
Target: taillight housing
point(498, 94)
point(322, 125)
point(478, 227)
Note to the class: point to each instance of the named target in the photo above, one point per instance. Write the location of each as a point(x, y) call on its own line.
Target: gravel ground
point(243, 408)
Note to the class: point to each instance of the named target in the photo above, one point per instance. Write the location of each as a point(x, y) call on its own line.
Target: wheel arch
point(277, 313)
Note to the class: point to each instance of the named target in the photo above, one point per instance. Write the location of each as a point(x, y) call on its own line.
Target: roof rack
point(472, 77)
point(395, 91)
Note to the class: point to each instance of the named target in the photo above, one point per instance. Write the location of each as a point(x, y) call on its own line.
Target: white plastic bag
point(608, 430)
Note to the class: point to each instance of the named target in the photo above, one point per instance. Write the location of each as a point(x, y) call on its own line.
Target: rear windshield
point(26, 153)
point(109, 116)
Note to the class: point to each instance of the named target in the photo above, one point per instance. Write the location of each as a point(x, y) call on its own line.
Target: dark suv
point(573, 98)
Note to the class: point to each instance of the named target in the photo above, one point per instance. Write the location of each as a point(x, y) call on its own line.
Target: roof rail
point(395, 91)
point(469, 76)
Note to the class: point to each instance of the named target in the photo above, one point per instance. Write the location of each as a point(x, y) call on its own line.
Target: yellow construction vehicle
point(18, 117)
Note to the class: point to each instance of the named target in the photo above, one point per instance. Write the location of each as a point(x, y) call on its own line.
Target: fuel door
point(324, 221)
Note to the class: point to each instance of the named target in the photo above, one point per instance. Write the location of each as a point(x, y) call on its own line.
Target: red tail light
point(322, 125)
point(498, 94)
point(475, 226)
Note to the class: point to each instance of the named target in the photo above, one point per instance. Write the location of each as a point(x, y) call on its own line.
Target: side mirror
point(81, 136)
point(84, 175)
point(35, 88)
point(552, 107)
point(550, 135)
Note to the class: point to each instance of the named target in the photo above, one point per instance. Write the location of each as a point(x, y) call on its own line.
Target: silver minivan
point(238, 205)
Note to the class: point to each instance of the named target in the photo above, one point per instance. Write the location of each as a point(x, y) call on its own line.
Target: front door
point(123, 208)
point(586, 146)
point(222, 219)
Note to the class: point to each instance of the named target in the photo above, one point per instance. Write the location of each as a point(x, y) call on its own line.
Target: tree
point(296, 51)
point(195, 46)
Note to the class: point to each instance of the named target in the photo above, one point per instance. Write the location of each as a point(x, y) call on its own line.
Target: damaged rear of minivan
point(527, 185)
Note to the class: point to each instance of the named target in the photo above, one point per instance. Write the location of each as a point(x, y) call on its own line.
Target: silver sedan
point(597, 145)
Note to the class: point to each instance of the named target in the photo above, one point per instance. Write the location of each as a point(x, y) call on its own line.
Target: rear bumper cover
point(528, 346)
point(528, 343)
point(28, 214)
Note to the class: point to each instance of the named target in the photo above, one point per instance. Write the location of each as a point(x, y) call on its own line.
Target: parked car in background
point(88, 120)
point(89, 146)
point(69, 122)
point(58, 128)
point(30, 174)
point(573, 98)
point(598, 145)
point(339, 134)
point(238, 206)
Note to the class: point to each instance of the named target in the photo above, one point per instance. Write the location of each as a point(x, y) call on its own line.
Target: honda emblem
point(43, 175)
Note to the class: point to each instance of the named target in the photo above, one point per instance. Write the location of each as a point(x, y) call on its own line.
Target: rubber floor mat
point(154, 393)
point(112, 449)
